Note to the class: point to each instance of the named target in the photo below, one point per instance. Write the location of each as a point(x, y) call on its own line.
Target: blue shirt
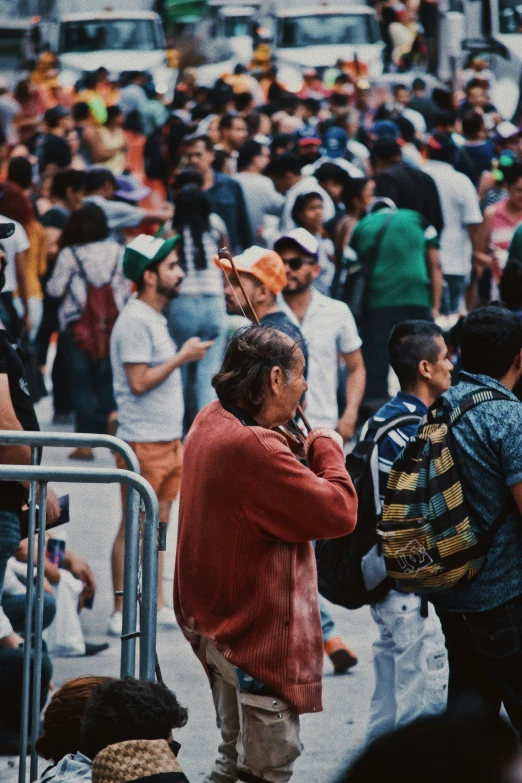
point(390, 446)
point(488, 452)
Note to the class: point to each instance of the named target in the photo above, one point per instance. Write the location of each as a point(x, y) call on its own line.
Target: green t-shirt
point(400, 277)
point(515, 248)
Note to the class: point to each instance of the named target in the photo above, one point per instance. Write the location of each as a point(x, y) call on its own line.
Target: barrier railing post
point(130, 583)
point(28, 626)
point(38, 630)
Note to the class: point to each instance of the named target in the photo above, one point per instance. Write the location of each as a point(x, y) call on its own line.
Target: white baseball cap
point(301, 237)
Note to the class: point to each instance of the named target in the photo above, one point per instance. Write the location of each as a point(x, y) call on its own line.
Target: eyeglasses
point(296, 263)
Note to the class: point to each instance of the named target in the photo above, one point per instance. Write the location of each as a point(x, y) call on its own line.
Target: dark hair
point(445, 118)
point(20, 171)
point(112, 113)
point(473, 83)
point(445, 747)
point(339, 100)
point(62, 720)
point(98, 177)
point(510, 285)
point(400, 86)
point(281, 141)
point(152, 267)
point(134, 122)
point(331, 171)
point(227, 121)
point(512, 173)
point(410, 343)
point(285, 163)
point(386, 149)
point(247, 152)
point(301, 203)
point(442, 147)
point(418, 84)
point(406, 128)
point(220, 159)
point(194, 138)
point(68, 178)
point(129, 709)
point(80, 111)
point(191, 221)
point(23, 91)
point(251, 354)
point(472, 123)
point(90, 80)
point(187, 176)
point(243, 101)
point(490, 341)
point(353, 189)
point(85, 225)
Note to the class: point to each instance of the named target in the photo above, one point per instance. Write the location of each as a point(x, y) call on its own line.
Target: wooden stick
point(225, 255)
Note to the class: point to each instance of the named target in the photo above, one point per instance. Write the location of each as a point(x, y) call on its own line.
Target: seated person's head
point(441, 748)
point(419, 358)
point(129, 709)
point(263, 277)
point(491, 344)
point(63, 718)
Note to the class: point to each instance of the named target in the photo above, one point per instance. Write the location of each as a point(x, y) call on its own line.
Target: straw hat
point(135, 760)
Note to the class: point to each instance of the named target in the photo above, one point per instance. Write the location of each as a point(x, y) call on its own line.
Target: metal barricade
point(132, 528)
point(39, 476)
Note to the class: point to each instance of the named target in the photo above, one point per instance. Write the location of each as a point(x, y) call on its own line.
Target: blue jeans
point(204, 317)
point(14, 608)
point(327, 623)
point(91, 386)
point(10, 538)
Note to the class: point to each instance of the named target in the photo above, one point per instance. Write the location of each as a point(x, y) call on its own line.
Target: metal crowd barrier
point(39, 476)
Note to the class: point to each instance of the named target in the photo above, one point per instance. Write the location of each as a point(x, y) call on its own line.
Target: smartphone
point(62, 519)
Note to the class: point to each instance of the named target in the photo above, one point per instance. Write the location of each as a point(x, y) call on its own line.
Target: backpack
point(352, 280)
point(428, 542)
point(339, 560)
point(92, 331)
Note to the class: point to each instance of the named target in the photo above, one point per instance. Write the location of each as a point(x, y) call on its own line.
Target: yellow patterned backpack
point(428, 541)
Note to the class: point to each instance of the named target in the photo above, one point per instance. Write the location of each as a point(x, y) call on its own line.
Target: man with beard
point(147, 387)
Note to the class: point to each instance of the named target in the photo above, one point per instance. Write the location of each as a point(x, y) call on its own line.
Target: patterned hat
point(137, 760)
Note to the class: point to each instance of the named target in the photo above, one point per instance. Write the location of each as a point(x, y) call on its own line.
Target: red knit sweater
point(245, 568)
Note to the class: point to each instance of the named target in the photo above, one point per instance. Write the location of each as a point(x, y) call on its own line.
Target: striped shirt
point(392, 444)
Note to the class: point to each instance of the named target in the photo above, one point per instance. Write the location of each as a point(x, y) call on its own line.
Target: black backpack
point(339, 560)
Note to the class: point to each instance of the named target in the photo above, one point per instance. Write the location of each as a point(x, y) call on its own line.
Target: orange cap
point(266, 265)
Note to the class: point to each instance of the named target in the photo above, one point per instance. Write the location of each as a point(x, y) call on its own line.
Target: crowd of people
point(368, 241)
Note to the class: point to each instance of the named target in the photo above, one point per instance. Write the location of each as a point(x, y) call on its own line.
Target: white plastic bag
point(64, 637)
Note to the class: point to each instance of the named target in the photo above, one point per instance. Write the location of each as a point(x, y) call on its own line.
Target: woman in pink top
point(500, 222)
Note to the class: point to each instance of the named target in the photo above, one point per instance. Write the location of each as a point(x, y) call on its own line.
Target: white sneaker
point(167, 618)
point(115, 627)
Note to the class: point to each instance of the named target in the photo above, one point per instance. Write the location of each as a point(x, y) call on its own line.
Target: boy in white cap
point(147, 387)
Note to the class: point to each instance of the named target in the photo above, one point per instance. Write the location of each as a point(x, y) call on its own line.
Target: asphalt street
point(329, 738)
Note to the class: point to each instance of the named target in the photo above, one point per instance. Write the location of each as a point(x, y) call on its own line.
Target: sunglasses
point(296, 263)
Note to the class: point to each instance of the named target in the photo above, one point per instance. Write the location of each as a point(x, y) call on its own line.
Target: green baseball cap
point(144, 251)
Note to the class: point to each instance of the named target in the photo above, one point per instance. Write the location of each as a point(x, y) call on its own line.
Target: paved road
point(328, 737)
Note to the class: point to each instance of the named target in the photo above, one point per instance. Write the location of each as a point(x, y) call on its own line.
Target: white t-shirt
point(141, 336)
point(13, 245)
point(329, 329)
point(460, 208)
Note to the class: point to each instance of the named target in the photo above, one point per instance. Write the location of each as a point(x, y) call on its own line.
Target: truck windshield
point(327, 29)
point(510, 16)
point(113, 34)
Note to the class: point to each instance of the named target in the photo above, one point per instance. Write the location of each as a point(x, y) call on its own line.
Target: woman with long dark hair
point(199, 310)
point(88, 257)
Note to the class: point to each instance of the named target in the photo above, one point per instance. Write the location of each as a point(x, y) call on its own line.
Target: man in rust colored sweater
point(245, 587)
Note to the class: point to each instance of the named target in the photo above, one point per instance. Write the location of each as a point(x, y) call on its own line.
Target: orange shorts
point(160, 464)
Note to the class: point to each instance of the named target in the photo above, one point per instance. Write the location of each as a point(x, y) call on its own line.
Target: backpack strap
point(442, 412)
point(394, 423)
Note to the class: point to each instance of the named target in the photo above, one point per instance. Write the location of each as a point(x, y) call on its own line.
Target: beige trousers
point(260, 734)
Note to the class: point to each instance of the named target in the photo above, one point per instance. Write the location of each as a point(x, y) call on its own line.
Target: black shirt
point(12, 494)
point(411, 188)
point(282, 323)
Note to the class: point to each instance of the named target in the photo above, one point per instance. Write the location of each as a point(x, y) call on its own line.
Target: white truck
point(125, 36)
point(317, 36)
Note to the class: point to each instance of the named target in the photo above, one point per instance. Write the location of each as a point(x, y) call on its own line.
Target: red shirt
point(245, 567)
